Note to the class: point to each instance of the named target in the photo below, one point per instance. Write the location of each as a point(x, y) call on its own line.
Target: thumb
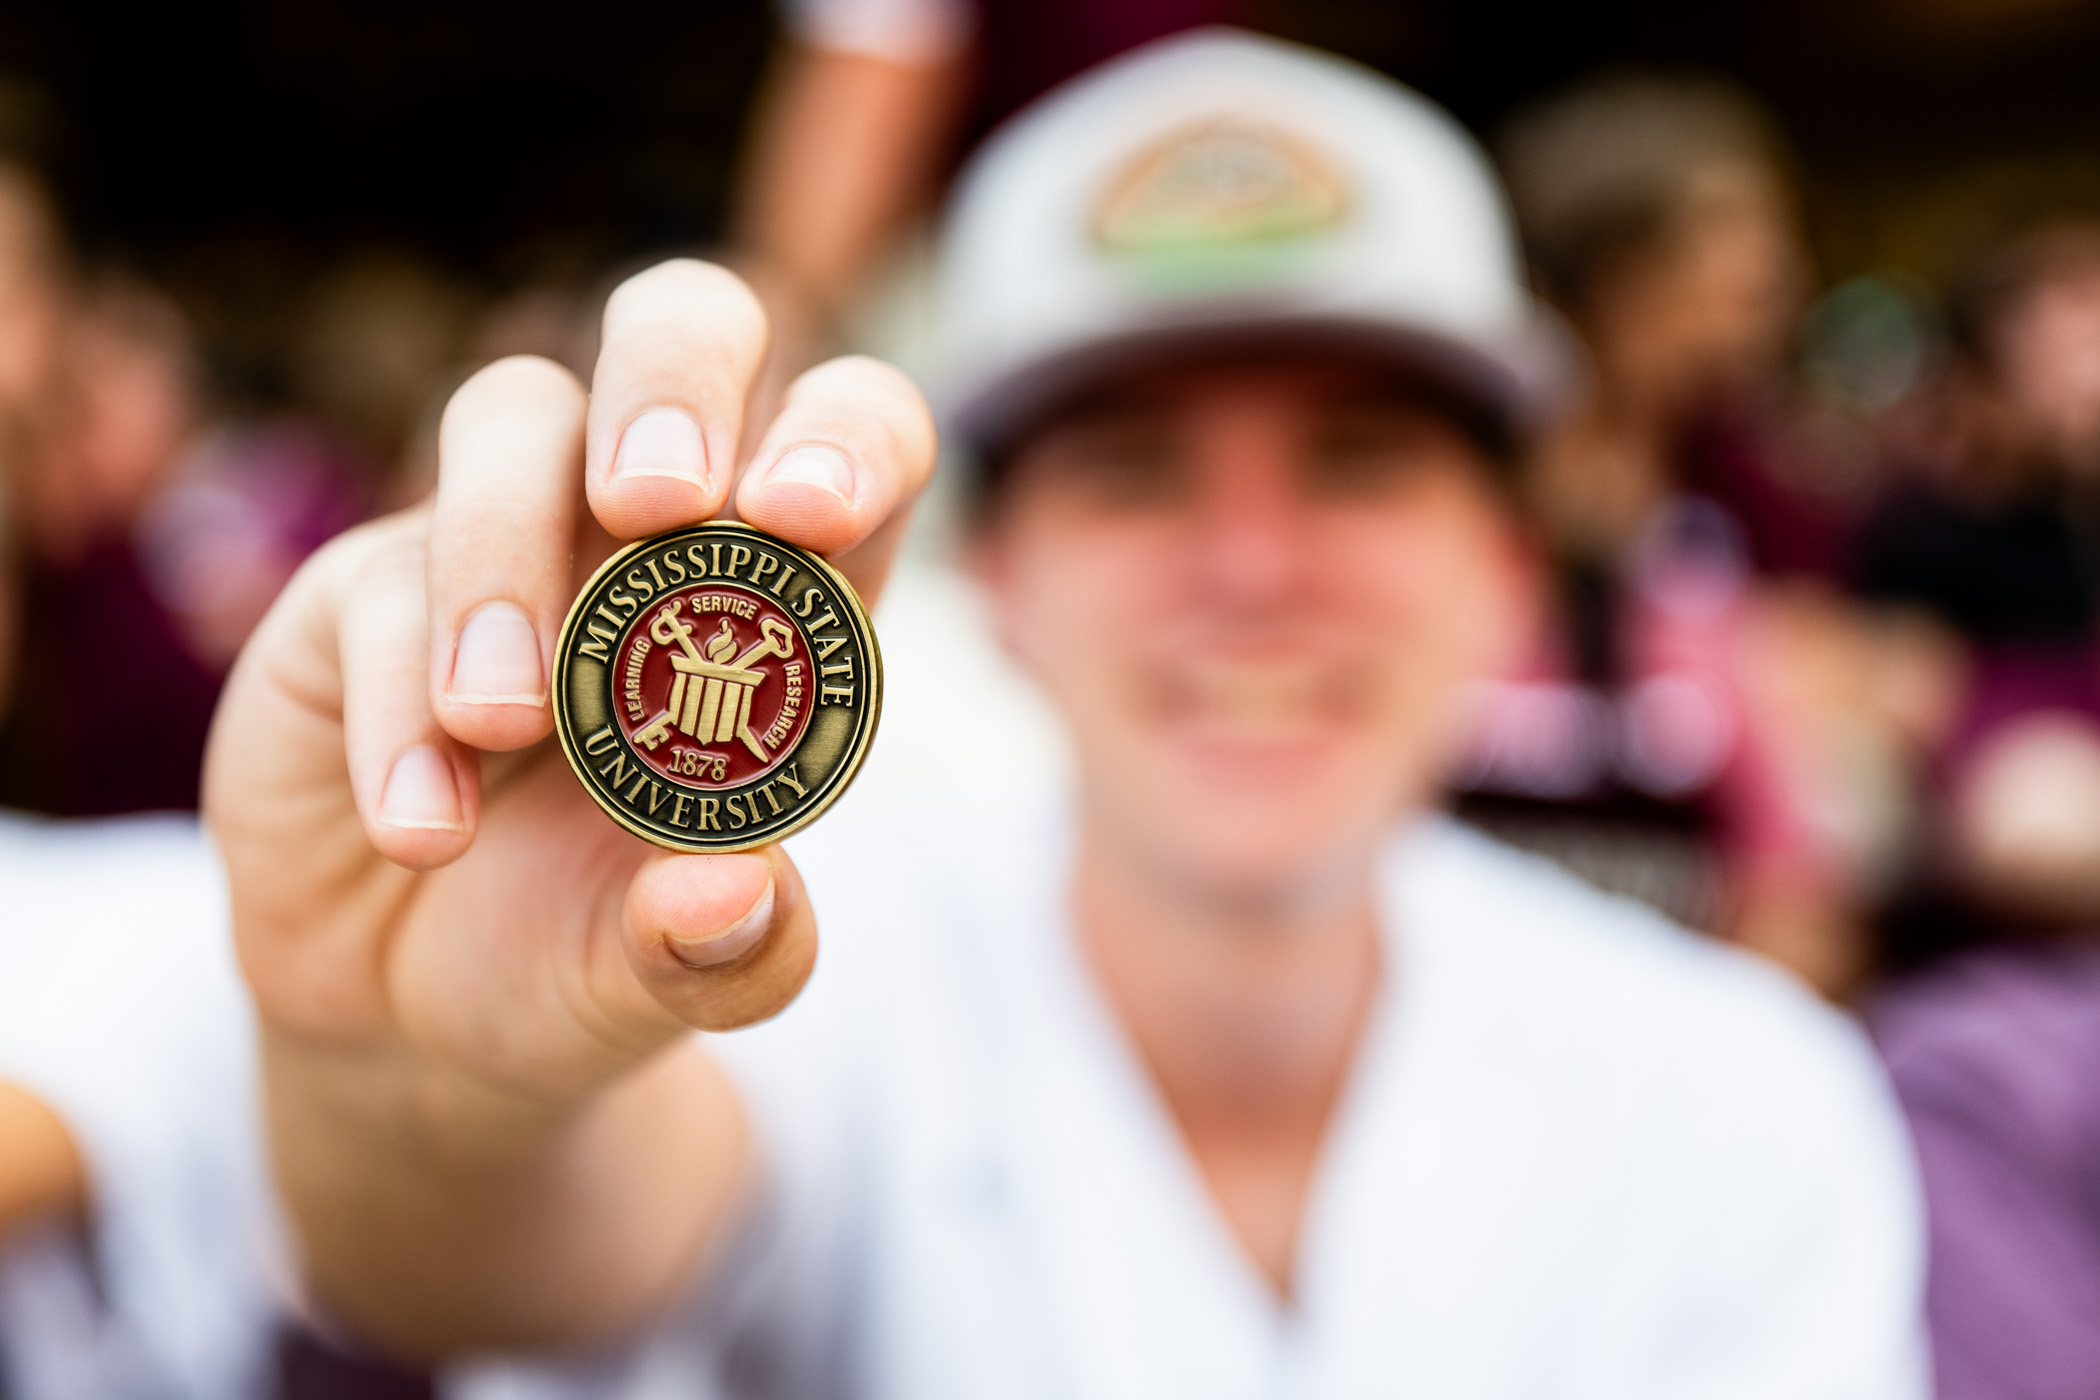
point(721, 941)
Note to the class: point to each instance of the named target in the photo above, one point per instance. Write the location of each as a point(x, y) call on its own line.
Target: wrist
point(415, 1191)
point(334, 1101)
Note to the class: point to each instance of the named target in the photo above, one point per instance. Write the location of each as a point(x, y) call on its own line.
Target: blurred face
point(1256, 594)
point(131, 408)
point(2049, 355)
point(1713, 302)
point(121, 405)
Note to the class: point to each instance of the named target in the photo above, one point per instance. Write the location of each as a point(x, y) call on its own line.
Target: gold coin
point(716, 688)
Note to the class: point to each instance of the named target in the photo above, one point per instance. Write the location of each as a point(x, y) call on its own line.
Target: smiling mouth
point(1247, 704)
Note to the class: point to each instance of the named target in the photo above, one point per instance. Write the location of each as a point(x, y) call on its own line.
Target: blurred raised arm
point(846, 146)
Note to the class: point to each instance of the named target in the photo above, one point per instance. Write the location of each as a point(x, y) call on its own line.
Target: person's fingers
point(721, 941)
point(417, 789)
point(683, 343)
point(500, 539)
point(839, 468)
point(278, 791)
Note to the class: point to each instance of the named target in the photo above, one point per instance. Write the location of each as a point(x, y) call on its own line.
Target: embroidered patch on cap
point(1228, 180)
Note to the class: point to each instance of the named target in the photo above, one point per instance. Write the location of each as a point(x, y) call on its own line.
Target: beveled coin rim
point(841, 779)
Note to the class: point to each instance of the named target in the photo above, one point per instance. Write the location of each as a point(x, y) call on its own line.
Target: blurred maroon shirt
point(113, 696)
point(110, 707)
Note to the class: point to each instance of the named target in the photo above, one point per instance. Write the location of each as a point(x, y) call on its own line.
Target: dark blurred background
point(239, 153)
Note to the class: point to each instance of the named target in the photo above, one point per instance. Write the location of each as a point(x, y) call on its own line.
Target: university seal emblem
point(716, 688)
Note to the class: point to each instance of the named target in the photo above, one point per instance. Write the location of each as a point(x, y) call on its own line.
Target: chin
point(1261, 762)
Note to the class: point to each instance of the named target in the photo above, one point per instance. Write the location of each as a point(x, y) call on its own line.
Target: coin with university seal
point(716, 688)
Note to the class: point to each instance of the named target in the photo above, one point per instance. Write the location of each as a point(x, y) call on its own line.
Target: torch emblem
point(710, 699)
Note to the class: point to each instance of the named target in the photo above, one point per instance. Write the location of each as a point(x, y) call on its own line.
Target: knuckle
point(339, 565)
point(387, 591)
point(396, 552)
point(337, 560)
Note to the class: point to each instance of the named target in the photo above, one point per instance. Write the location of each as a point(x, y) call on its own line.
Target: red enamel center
point(712, 685)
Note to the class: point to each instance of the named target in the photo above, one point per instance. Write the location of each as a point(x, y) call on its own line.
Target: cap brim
point(1513, 384)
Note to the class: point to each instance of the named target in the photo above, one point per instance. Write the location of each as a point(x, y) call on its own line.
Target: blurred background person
point(1686, 734)
point(95, 648)
point(1987, 533)
point(868, 108)
point(142, 548)
point(1659, 214)
point(1993, 1032)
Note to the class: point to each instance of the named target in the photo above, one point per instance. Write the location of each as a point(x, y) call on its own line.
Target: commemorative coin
point(716, 688)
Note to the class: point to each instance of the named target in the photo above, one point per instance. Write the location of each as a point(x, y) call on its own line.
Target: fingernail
point(731, 943)
point(822, 467)
point(497, 659)
point(662, 442)
point(420, 794)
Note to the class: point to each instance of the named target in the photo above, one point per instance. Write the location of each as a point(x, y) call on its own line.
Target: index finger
point(841, 465)
point(683, 342)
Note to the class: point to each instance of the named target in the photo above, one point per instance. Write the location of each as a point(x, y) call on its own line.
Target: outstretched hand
point(437, 922)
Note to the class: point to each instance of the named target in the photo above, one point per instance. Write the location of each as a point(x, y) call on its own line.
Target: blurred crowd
point(1820, 675)
point(154, 513)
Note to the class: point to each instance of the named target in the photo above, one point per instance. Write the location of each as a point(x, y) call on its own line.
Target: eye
point(1376, 452)
point(1117, 464)
point(1366, 456)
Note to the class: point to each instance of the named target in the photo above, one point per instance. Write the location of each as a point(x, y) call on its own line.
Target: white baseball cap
point(1215, 187)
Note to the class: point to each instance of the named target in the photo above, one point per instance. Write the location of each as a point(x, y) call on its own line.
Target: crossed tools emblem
point(711, 695)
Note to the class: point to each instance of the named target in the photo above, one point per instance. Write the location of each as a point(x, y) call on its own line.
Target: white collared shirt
point(1584, 1154)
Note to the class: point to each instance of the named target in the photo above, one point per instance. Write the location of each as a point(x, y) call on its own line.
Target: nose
point(1251, 545)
